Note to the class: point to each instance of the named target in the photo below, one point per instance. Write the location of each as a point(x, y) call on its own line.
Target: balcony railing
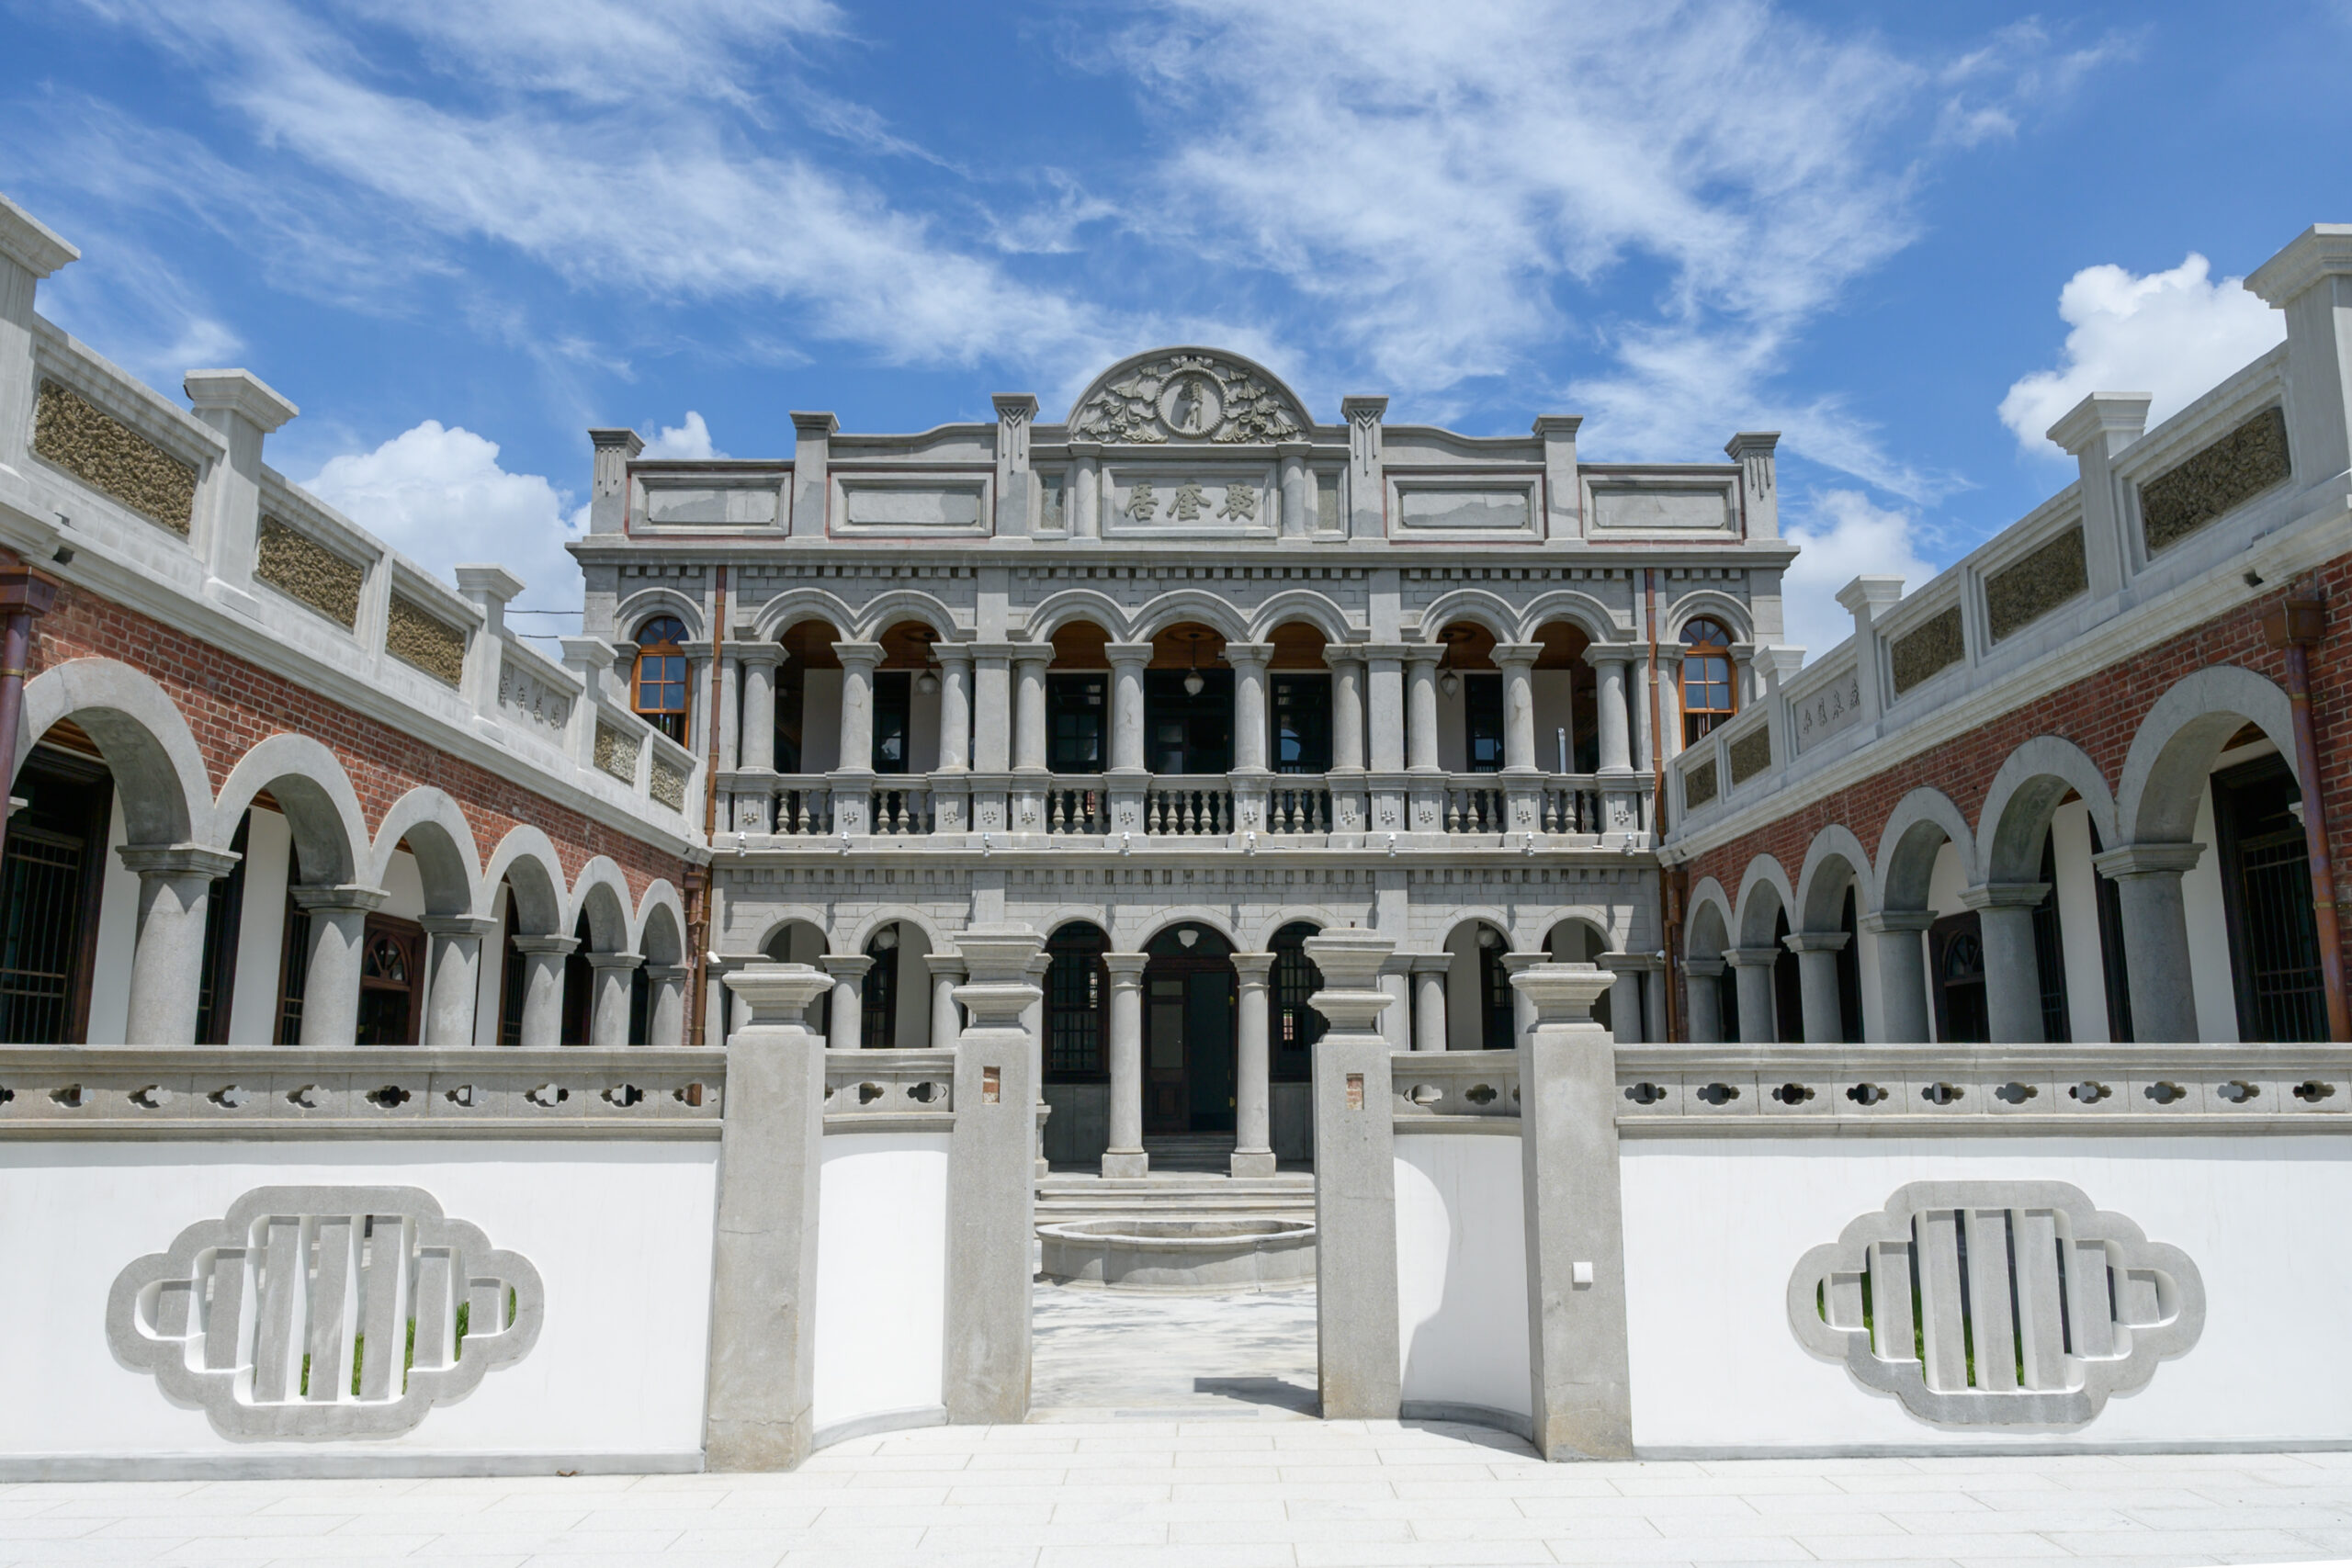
point(1184, 806)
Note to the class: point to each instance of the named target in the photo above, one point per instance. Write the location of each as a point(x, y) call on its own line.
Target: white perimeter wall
point(619, 1232)
point(1462, 1270)
point(1713, 1227)
point(881, 1277)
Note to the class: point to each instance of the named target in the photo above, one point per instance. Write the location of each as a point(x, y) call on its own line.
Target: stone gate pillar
point(1355, 1183)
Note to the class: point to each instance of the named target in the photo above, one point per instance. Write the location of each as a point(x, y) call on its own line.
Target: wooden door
point(391, 982)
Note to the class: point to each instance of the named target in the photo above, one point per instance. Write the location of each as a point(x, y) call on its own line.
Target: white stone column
point(1902, 974)
point(1346, 711)
point(758, 748)
point(1249, 725)
point(1607, 660)
point(450, 1005)
point(1702, 999)
point(858, 659)
point(609, 981)
point(1517, 661)
point(1824, 1018)
point(1429, 971)
point(947, 972)
point(2012, 968)
point(1127, 661)
point(1420, 707)
point(543, 959)
point(1253, 1149)
point(848, 1024)
point(167, 961)
point(1125, 1156)
point(1029, 709)
point(665, 1017)
point(1626, 996)
point(731, 731)
point(954, 708)
point(1752, 968)
point(338, 940)
point(1637, 697)
point(2156, 938)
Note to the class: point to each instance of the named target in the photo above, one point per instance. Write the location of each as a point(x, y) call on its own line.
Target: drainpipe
point(698, 878)
point(25, 595)
point(2295, 627)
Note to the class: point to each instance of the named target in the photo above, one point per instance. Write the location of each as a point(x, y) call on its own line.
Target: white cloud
point(436, 494)
point(690, 440)
point(2170, 335)
point(1844, 538)
point(1443, 181)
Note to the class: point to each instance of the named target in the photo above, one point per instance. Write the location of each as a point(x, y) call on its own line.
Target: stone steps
point(1072, 1196)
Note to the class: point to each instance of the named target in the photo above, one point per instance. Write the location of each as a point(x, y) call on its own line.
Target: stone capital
point(1119, 653)
point(751, 653)
point(1424, 654)
point(628, 441)
point(31, 244)
point(2148, 860)
point(1253, 968)
point(866, 655)
point(1599, 654)
point(2322, 251)
point(956, 654)
point(1350, 960)
point(944, 960)
point(1240, 654)
point(847, 965)
point(1872, 591)
point(999, 953)
point(1510, 653)
point(177, 859)
point(1386, 652)
point(1427, 963)
point(349, 898)
point(820, 426)
point(1814, 941)
point(461, 927)
point(2003, 896)
point(1893, 921)
point(666, 974)
point(240, 392)
point(1126, 968)
point(1751, 957)
point(998, 652)
point(1705, 968)
point(613, 960)
point(2111, 419)
point(545, 946)
point(776, 993)
point(1563, 993)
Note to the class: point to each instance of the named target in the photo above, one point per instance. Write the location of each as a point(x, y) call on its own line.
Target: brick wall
point(2100, 714)
point(231, 705)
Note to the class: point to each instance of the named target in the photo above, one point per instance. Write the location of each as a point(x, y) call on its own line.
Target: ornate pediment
point(1187, 394)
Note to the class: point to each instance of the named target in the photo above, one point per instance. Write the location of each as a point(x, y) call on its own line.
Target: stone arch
point(1706, 930)
point(793, 919)
point(1059, 610)
point(331, 841)
point(1596, 921)
point(440, 841)
point(1711, 602)
point(1302, 604)
point(1469, 918)
point(1061, 915)
point(527, 862)
point(1579, 609)
point(793, 605)
point(1288, 915)
point(2165, 772)
point(1764, 896)
point(2025, 793)
point(1477, 605)
point(1920, 824)
point(662, 925)
point(647, 602)
point(895, 914)
point(1834, 858)
point(600, 895)
point(1179, 605)
point(887, 610)
point(1161, 918)
point(159, 773)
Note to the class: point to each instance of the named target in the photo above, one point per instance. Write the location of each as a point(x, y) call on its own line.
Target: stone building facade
point(2084, 785)
point(273, 783)
point(1173, 683)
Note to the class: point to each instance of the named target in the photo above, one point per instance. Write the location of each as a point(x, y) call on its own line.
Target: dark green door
point(1208, 1036)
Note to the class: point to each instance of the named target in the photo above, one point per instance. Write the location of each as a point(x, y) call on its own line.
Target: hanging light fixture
point(1192, 681)
point(1449, 683)
point(928, 681)
point(885, 940)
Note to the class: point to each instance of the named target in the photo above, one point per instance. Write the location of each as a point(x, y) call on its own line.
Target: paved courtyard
point(1169, 1433)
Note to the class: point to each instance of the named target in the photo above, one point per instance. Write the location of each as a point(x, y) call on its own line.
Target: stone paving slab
point(1205, 1494)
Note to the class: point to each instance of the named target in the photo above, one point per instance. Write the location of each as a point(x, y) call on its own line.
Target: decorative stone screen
point(1928, 649)
point(416, 635)
point(1699, 784)
point(668, 784)
point(2222, 477)
point(2020, 595)
point(1750, 755)
point(1996, 1303)
point(307, 573)
point(325, 1312)
point(616, 753)
point(109, 456)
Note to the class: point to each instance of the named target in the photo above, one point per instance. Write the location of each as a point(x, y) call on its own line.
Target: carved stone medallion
point(1188, 395)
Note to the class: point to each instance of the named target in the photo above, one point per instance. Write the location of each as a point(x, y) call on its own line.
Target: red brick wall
point(2100, 714)
point(231, 705)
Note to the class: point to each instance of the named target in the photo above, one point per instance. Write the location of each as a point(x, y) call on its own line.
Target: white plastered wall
point(1714, 1228)
point(1462, 1271)
point(620, 1233)
point(881, 1329)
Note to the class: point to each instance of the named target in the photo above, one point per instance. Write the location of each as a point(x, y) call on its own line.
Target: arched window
point(1709, 697)
point(660, 696)
point(1077, 990)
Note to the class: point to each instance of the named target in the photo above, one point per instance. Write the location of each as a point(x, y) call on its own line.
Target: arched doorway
point(1190, 1000)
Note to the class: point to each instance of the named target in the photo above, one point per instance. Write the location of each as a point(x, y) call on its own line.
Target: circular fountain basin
point(1178, 1257)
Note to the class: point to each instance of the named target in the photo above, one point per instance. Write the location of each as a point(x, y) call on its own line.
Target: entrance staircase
point(1187, 1180)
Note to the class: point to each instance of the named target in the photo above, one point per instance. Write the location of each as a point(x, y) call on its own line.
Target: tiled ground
point(1169, 1435)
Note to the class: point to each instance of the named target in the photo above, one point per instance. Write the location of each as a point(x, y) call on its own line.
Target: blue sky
point(457, 235)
